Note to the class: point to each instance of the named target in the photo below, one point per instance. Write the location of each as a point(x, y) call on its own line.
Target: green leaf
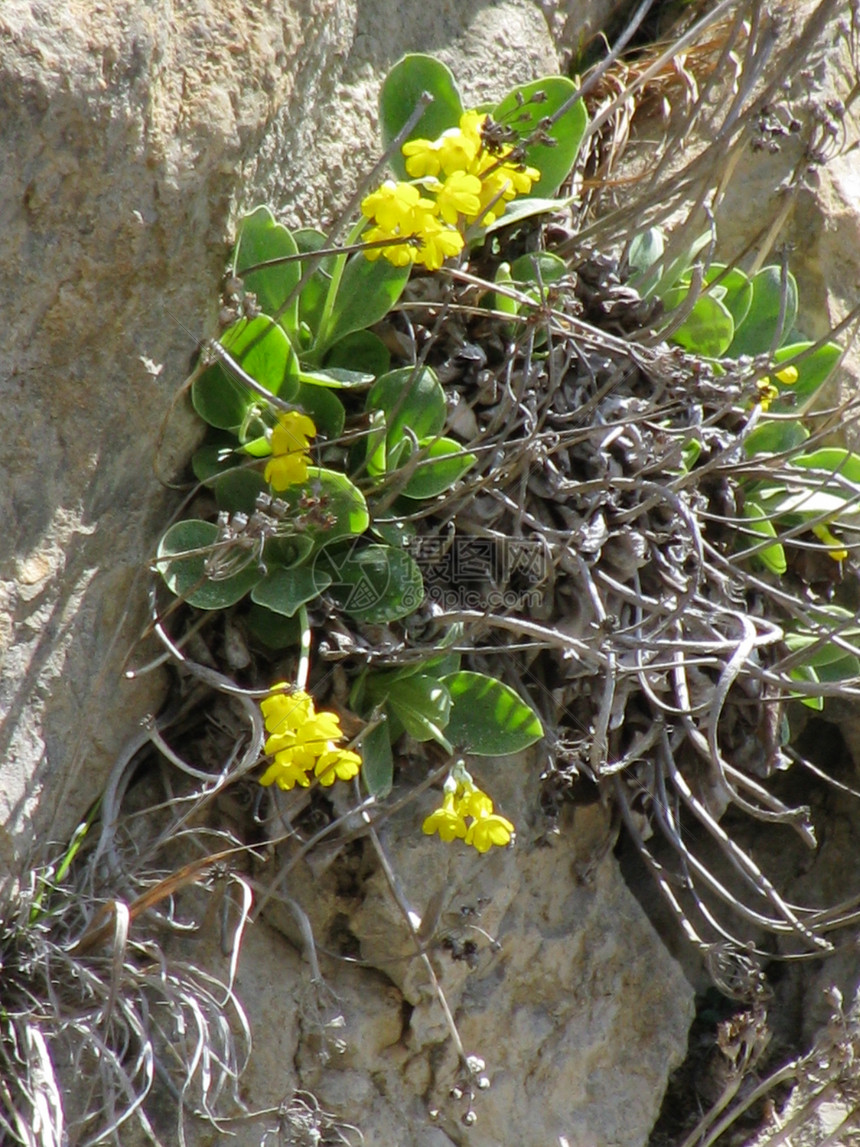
point(392, 529)
point(518, 112)
point(273, 629)
point(361, 351)
point(213, 459)
point(812, 371)
point(707, 330)
point(335, 378)
point(373, 583)
point(264, 352)
point(423, 706)
point(821, 651)
point(237, 490)
point(645, 251)
point(409, 397)
point(367, 292)
point(541, 267)
point(772, 437)
point(760, 332)
point(843, 669)
point(284, 591)
point(261, 238)
point(340, 508)
point(525, 208)
point(734, 290)
point(313, 294)
point(807, 673)
point(488, 718)
point(833, 460)
point(772, 557)
point(288, 551)
point(690, 453)
point(182, 555)
point(806, 503)
point(444, 463)
point(402, 89)
point(377, 762)
point(677, 271)
point(325, 408)
point(501, 301)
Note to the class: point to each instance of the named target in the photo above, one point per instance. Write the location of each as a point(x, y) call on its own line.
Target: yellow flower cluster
point(288, 465)
point(464, 801)
point(302, 742)
point(767, 392)
point(463, 183)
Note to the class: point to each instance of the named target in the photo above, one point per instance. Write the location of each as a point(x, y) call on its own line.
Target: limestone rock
point(548, 964)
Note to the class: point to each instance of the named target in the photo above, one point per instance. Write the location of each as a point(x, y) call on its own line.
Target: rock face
point(131, 135)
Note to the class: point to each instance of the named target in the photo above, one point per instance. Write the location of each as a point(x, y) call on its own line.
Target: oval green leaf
point(377, 762)
point(285, 590)
point(261, 238)
point(772, 557)
point(812, 372)
point(518, 112)
point(313, 294)
point(833, 460)
point(181, 561)
point(368, 290)
point(372, 583)
point(772, 437)
point(401, 91)
point(707, 330)
point(487, 717)
point(325, 408)
point(734, 290)
point(361, 351)
point(409, 397)
point(444, 463)
point(263, 350)
point(761, 332)
point(273, 629)
point(422, 704)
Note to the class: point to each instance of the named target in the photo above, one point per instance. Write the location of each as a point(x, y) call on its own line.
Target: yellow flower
point(400, 212)
point(423, 157)
point(288, 465)
point(399, 254)
point(455, 149)
point(836, 549)
point(302, 741)
point(469, 184)
point(447, 821)
point(767, 392)
point(488, 829)
point(337, 764)
point(787, 376)
point(500, 182)
point(438, 243)
point(397, 207)
point(464, 800)
point(460, 194)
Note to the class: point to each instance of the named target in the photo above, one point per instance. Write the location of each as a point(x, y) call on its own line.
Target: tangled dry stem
point(651, 646)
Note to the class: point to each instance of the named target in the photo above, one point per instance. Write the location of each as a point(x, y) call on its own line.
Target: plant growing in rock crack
point(463, 508)
point(653, 536)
